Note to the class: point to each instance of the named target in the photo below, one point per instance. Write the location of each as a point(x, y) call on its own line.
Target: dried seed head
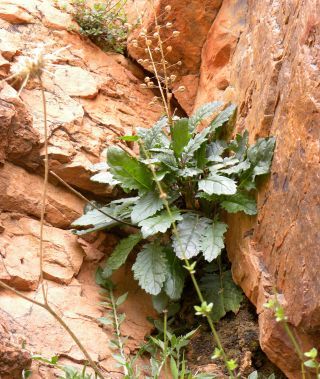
point(169, 95)
point(148, 42)
point(146, 61)
point(146, 50)
point(169, 25)
point(143, 85)
point(158, 27)
point(157, 49)
point(156, 35)
point(169, 49)
point(181, 88)
point(127, 25)
point(167, 8)
point(147, 79)
point(179, 63)
point(140, 61)
point(150, 84)
point(150, 67)
point(173, 78)
point(176, 33)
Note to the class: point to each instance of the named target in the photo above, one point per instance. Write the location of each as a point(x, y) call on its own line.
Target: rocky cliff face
point(92, 98)
point(263, 56)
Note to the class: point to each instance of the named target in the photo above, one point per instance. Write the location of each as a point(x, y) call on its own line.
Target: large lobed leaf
point(175, 277)
point(222, 292)
point(187, 242)
point(260, 155)
point(160, 223)
point(180, 135)
point(222, 118)
point(150, 268)
point(240, 202)
point(121, 252)
point(146, 206)
point(202, 113)
point(132, 174)
point(216, 184)
point(212, 241)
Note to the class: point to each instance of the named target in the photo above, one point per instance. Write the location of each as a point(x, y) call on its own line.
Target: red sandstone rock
point(13, 358)
point(269, 54)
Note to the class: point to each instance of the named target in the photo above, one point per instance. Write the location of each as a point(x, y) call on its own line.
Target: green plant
point(201, 174)
point(280, 316)
point(105, 23)
point(67, 372)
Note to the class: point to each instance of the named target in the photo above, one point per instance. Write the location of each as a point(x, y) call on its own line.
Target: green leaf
point(194, 144)
point(173, 368)
point(105, 177)
point(253, 375)
point(222, 117)
point(160, 223)
point(146, 206)
point(154, 137)
point(160, 301)
point(215, 150)
point(105, 321)
point(121, 299)
point(131, 173)
point(212, 241)
point(310, 363)
point(202, 113)
point(180, 135)
point(150, 268)
point(236, 169)
point(240, 202)
point(240, 144)
point(260, 155)
point(174, 283)
point(94, 220)
point(189, 172)
point(186, 243)
point(129, 138)
point(121, 252)
point(313, 353)
point(218, 185)
point(222, 292)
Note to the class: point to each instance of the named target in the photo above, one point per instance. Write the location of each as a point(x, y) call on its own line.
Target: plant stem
point(118, 332)
point(90, 202)
point(165, 342)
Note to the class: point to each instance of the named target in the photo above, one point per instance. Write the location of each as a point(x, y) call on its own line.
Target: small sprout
point(204, 309)
point(167, 8)
point(313, 353)
point(216, 354)
point(232, 364)
point(191, 268)
point(176, 33)
point(169, 49)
